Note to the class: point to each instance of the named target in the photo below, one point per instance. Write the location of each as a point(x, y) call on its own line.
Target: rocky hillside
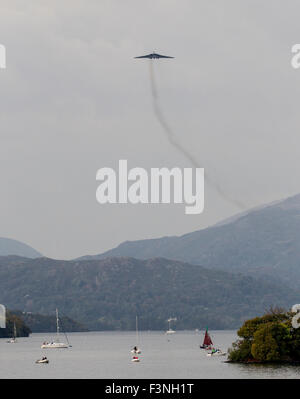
point(108, 293)
point(263, 241)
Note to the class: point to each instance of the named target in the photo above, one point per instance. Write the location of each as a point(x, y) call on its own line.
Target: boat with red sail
point(207, 342)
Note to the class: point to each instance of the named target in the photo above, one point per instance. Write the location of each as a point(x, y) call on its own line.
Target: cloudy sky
point(74, 100)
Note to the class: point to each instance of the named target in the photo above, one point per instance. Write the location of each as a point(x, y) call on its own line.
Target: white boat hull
point(45, 361)
point(55, 345)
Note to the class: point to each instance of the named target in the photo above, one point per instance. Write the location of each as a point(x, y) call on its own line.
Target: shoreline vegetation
point(27, 323)
point(45, 323)
point(22, 330)
point(269, 339)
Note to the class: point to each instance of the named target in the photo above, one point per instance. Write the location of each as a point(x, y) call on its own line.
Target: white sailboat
point(170, 331)
point(136, 350)
point(13, 340)
point(56, 343)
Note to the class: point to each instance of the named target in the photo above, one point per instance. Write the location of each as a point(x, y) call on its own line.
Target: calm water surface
point(107, 355)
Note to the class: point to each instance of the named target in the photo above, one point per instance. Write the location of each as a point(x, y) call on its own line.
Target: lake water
point(107, 355)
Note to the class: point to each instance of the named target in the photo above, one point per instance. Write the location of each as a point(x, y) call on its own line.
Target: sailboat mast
point(136, 330)
point(57, 325)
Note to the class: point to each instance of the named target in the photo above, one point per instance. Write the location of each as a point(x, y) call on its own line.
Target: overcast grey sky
point(74, 100)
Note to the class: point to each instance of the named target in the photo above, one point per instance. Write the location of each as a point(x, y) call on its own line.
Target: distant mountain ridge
point(9, 246)
point(259, 242)
point(107, 294)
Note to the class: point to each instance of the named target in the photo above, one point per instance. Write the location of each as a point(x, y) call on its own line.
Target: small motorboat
point(44, 360)
point(216, 352)
point(135, 359)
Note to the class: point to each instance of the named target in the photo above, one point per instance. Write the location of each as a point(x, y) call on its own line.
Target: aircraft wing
point(154, 56)
point(164, 56)
point(144, 56)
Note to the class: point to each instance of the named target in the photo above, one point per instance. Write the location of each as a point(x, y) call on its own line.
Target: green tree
point(21, 328)
point(264, 346)
point(240, 351)
point(269, 338)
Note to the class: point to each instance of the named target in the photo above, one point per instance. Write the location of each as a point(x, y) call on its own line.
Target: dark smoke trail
point(175, 143)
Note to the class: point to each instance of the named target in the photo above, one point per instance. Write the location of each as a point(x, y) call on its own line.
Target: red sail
point(207, 341)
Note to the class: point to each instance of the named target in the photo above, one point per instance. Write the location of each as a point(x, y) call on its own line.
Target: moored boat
point(216, 352)
point(47, 345)
point(13, 340)
point(55, 344)
point(44, 360)
point(207, 342)
point(170, 330)
point(136, 350)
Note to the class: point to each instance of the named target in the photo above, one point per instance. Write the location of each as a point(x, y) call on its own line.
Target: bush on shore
point(269, 338)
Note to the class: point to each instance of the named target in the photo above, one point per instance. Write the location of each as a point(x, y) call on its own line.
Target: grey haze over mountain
point(263, 241)
point(14, 247)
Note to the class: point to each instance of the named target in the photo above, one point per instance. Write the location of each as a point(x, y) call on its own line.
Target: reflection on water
point(268, 371)
point(107, 355)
